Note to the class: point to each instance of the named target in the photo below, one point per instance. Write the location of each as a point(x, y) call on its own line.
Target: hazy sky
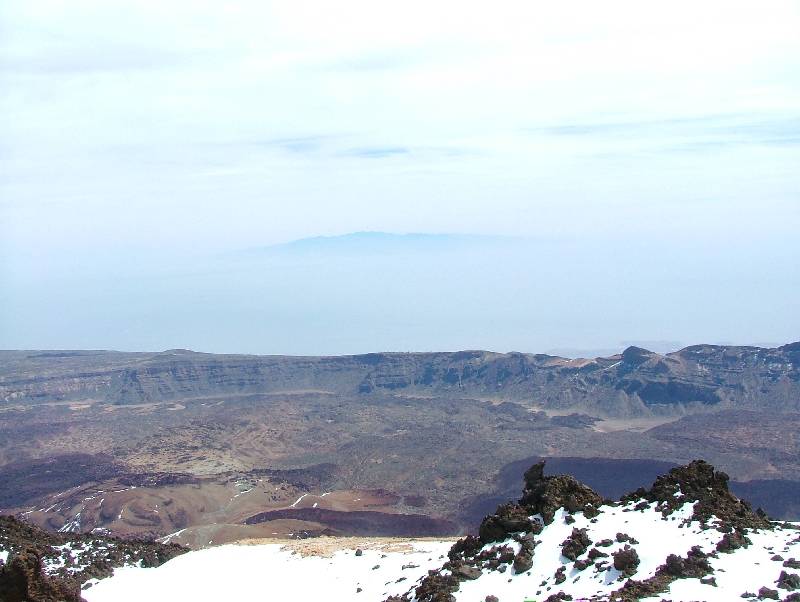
point(144, 141)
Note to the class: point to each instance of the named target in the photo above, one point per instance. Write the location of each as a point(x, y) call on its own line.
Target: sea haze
point(374, 291)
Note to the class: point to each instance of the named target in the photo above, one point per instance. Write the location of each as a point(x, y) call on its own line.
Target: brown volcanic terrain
point(225, 447)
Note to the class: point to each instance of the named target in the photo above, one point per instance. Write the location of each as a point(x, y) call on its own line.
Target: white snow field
point(273, 572)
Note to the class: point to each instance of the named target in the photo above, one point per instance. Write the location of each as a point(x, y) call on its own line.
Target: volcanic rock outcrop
point(51, 567)
point(701, 483)
point(690, 503)
point(542, 496)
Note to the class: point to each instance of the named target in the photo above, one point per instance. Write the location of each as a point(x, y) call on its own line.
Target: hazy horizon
point(571, 175)
point(372, 292)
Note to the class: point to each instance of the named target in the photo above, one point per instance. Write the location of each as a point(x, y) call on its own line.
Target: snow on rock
point(687, 538)
point(35, 560)
point(656, 539)
point(745, 570)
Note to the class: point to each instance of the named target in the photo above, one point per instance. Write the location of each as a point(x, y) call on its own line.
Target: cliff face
point(636, 382)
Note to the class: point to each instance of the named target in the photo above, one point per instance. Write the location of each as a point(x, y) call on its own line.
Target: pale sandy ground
point(610, 425)
point(327, 546)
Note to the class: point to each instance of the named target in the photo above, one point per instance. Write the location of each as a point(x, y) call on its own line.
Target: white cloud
point(173, 126)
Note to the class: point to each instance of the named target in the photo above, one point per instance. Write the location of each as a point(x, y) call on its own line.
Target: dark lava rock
point(23, 580)
point(626, 561)
point(623, 537)
point(359, 552)
point(699, 482)
point(509, 518)
point(576, 544)
point(792, 598)
point(465, 572)
point(464, 548)
point(694, 566)
point(437, 588)
point(523, 562)
point(98, 555)
point(558, 597)
point(544, 495)
point(732, 541)
point(505, 554)
point(788, 581)
point(491, 598)
point(766, 593)
point(634, 590)
point(792, 564)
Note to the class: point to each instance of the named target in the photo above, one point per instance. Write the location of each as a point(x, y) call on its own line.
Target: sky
point(639, 161)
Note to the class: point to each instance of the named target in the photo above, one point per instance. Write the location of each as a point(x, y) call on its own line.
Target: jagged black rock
point(697, 482)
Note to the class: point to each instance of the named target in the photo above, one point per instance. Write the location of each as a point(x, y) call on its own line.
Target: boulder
point(576, 544)
point(523, 562)
point(626, 561)
point(509, 518)
point(464, 572)
point(788, 581)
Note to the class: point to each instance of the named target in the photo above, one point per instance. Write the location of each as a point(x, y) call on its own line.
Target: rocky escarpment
point(561, 541)
point(51, 567)
point(635, 382)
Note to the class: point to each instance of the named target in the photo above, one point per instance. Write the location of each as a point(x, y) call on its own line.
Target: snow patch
point(298, 500)
point(236, 572)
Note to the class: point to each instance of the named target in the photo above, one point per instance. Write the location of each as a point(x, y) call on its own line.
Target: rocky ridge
point(40, 566)
point(562, 541)
point(635, 382)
